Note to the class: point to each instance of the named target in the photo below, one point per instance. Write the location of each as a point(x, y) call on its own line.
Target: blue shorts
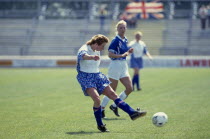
point(136, 62)
point(93, 80)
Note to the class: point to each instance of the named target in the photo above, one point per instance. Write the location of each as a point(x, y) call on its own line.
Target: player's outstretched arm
point(112, 55)
point(91, 57)
point(150, 57)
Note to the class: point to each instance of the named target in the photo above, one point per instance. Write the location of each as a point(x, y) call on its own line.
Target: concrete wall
point(60, 61)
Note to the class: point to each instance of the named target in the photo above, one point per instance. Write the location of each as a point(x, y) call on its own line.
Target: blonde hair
point(99, 39)
point(120, 23)
point(138, 33)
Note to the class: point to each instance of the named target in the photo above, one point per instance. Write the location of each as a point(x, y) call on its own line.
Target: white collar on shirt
point(122, 38)
point(90, 49)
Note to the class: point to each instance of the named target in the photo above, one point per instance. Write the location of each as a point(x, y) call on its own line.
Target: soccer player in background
point(118, 68)
point(136, 61)
point(94, 83)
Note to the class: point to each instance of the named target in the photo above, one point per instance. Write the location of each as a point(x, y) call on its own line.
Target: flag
point(146, 10)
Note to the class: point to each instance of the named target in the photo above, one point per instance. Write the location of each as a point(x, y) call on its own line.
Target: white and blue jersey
point(118, 46)
point(89, 75)
point(140, 49)
point(89, 66)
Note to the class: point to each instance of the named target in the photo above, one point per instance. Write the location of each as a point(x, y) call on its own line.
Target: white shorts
point(118, 69)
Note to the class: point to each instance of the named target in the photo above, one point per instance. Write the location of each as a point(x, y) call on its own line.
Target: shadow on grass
point(81, 133)
point(109, 119)
point(91, 132)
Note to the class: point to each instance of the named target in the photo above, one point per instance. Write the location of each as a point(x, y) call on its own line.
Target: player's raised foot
point(138, 114)
point(103, 128)
point(115, 110)
point(103, 114)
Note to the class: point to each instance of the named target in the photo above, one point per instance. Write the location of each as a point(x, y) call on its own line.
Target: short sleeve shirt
point(139, 48)
point(88, 66)
point(118, 46)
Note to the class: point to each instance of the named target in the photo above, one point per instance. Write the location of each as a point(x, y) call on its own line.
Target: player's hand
point(125, 54)
point(96, 57)
point(151, 58)
point(130, 50)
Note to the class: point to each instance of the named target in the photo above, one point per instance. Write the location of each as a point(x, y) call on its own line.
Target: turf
point(48, 103)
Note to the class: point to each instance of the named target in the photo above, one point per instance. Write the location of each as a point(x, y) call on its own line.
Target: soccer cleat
point(139, 89)
point(103, 128)
point(138, 114)
point(103, 114)
point(115, 110)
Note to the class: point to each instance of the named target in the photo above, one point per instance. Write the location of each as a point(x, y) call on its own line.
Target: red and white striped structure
point(145, 10)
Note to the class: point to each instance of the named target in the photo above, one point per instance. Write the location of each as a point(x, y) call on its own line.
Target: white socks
point(104, 102)
point(122, 96)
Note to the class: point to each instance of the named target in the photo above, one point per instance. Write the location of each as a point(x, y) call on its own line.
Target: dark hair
point(99, 39)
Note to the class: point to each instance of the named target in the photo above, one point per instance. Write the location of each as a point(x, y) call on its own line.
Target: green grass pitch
point(49, 103)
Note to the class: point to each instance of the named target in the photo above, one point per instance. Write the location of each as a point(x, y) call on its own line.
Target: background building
point(60, 27)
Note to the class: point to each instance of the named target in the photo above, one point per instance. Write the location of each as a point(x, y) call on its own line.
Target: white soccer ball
point(159, 119)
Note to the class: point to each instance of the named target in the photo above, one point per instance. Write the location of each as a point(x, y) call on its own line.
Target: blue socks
point(124, 106)
point(136, 80)
point(98, 115)
point(120, 103)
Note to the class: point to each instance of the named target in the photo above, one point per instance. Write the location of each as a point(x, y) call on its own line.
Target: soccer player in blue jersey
point(136, 61)
point(118, 68)
point(94, 83)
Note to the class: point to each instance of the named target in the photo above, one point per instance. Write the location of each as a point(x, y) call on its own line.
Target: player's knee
point(129, 89)
point(113, 95)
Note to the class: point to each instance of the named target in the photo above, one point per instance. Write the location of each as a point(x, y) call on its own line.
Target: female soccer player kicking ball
point(94, 83)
